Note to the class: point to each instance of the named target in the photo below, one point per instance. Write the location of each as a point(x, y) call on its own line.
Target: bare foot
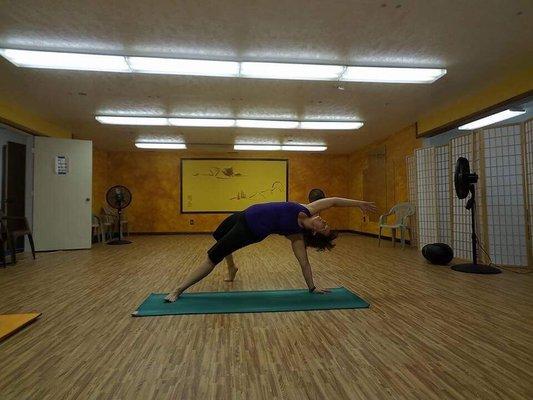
point(172, 296)
point(232, 271)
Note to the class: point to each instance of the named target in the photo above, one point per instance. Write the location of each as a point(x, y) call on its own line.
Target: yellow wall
point(23, 119)
point(100, 178)
point(492, 93)
point(398, 146)
point(153, 178)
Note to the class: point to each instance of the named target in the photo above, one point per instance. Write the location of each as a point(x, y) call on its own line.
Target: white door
point(62, 192)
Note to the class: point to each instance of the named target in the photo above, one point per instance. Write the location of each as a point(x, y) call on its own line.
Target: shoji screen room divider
point(503, 159)
point(528, 155)
point(505, 210)
point(411, 179)
point(461, 226)
point(426, 203)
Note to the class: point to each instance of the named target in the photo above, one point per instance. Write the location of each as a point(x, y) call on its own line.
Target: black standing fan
point(316, 194)
point(464, 181)
point(119, 197)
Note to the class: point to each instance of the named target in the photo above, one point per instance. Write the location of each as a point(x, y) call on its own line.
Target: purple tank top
point(281, 218)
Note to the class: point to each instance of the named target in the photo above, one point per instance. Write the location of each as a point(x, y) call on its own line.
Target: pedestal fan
point(118, 197)
point(464, 182)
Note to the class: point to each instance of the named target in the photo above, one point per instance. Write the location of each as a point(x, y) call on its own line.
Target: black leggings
point(231, 235)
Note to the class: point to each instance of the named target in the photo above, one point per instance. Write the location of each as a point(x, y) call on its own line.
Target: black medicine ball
point(438, 253)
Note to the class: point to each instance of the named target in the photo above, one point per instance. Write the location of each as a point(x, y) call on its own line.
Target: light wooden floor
point(430, 333)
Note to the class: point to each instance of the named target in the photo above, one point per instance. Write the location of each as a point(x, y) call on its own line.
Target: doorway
point(14, 184)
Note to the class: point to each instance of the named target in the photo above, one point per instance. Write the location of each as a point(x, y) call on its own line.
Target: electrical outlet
point(191, 222)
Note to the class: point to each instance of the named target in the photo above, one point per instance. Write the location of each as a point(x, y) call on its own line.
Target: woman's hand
point(319, 290)
point(367, 207)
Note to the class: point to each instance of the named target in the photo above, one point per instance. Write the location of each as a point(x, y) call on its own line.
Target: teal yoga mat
point(249, 302)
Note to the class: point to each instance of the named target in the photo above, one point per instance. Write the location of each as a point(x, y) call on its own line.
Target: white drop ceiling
point(476, 41)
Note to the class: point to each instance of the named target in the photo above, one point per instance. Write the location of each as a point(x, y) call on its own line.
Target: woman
point(301, 224)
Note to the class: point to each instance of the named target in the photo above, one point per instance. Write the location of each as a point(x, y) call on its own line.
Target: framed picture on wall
point(223, 185)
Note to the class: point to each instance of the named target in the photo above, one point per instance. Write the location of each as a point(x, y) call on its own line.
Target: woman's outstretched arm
point(298, 247)
point(323, 204)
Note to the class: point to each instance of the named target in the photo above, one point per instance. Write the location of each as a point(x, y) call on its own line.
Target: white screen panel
point(461, 146)
point(529, 173)
point(505, 206)
point(413, 198)
point(479, 168)
point(426, 198)
point(442, 177)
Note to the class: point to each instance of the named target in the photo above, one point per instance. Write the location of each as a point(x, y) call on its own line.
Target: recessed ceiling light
point(160, 145)
point(491, 119)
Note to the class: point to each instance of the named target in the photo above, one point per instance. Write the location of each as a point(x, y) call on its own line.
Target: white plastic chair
point(107, 222)
point(402, 212)
point(111, 212)
point(97, 229)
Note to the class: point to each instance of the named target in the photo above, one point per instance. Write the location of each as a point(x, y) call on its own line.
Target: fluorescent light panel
point(205, 122)
point(392, 75)
point(160, 145)
point(227, 123)
point(263, 123)
point(173, 66)
point(273, 147)
point(177, 66)
point(491, 119)
point(72, 61)
point(291, 71)
point(270, 147)
point(117, 120)
point(330, 125)
point(303, 148)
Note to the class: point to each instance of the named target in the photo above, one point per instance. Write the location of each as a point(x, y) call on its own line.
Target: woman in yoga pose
point(301, 224)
